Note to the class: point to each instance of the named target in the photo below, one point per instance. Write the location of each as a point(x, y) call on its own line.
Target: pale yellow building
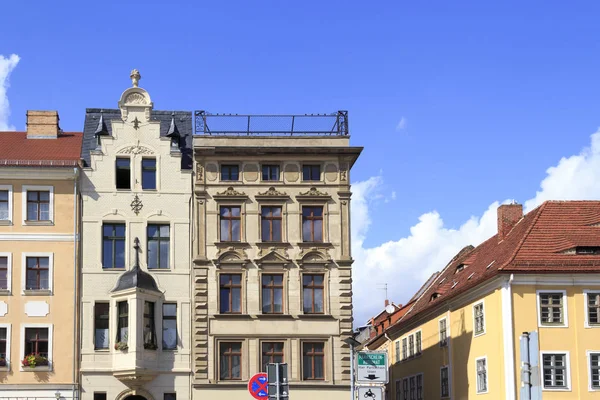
point(517, 317)
point(39, 243)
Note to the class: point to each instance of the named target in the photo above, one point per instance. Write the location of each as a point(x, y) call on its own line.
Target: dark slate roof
point(135, 278)
point(183, 121)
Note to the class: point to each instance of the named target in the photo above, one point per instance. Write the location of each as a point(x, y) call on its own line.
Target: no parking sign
point(258, 386)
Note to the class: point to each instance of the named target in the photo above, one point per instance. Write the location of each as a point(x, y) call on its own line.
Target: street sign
point(370, 392)
point(372, 367)
point(258, 386)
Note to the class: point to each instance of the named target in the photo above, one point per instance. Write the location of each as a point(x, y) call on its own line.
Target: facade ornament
point(135, 77)
point(272, 192)
point(137, 149)
point(314, 192)
point(199, 172)
point(135, 98)
point(136, 123)
point(231, 192)
point(343, 174)
point(136, 205)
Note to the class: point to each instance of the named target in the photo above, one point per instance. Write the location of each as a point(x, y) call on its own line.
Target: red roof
point(17, 150)
point(542, 241)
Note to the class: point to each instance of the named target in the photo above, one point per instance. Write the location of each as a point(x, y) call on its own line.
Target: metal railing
point(335, 124)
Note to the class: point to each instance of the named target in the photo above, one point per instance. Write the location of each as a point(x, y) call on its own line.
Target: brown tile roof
point(536, 244)
point(18, 151)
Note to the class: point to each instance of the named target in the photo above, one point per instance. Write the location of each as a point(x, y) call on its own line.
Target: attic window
point(434, 296)
point(587, 250)
point(460, 268)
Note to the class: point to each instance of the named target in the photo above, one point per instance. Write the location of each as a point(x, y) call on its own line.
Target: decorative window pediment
point(231, 257)
point(272, 258)
point(230, 194)
point(314, 257)
point(272, 194)
point(313, 194)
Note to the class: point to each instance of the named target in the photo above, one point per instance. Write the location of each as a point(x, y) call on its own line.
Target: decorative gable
point(272, 258)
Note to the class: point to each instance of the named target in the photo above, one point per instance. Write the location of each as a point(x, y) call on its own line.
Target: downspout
point(75, 288)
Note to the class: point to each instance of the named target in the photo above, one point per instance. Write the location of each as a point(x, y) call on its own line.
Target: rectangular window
point(271, 224)
point(38, 273)
point(481, 375)
point(405, 389)
point(313, 361)
point(3, 273)
point(169, 336)
point(397, 350)
point(159, 243)
point(312, 290)
point(99, 396)
point(101, 322)
point(312, 224)
point(555, 371)
point(170, 396)
point(123, 321)
point(123, 172)
point(230, 356)
point(418, 343)
point(272, 352)
point(3, 345)
point(398, 390)
point(311, 172)
point(404, 349)
point(270, 172)
point(420, 387)
point(479, 322)
point(231, 293)
point(113, 246)
point(230, 172)
point(413, 388)
point(551, 308)
point(411, 345)
point(149, 326)
point(593, 307)
point(4, 205)
point(148, 173)
point(230, 224)
point(38, 205)
point(36, 341)
point(444, 382)
point(272, 294)
point(594, 370)
point(443, 333)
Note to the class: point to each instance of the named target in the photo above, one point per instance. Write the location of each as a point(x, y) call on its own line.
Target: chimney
point(508, 216)
point(387, 303)
point(42, 124)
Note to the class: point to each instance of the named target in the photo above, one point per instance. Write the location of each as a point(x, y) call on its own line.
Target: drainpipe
point(390, 369)
point(75, 288)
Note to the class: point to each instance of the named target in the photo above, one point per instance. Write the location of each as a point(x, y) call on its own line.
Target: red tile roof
point(17, 150)
point(536, 244)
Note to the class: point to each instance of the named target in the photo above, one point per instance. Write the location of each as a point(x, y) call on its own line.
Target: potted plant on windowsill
point(150, 346)
point(34, 360)
point(3, 362)
point(121, 346)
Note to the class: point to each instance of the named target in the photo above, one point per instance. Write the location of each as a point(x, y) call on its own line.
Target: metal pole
point(352, 372)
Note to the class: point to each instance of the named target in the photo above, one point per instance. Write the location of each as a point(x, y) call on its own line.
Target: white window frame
point(27, 188)
point(475, 334)
point(8, 347)
point(565, 308)
point(8, 221)
point(440, 332)
point(567, 371)
point(449, 391)
point(9, 267)
point(589, 369)
point(398, 350)
point(22, 350)
point(404, 353)
point(487, 374)
point(24, 271)
point(585, 307)
point(415, 335)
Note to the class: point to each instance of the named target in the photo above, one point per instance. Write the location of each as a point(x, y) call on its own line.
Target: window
point(404, 349)
point(230, 172)
point(36, 341)
point(230, 224)
point(481, 375)
point(159, 243)
point(551, 308)
point(459, 268)
point(587, 250)
point(3, 346)
point(101, 322)
point(593, 305)
point(113, 246)
point(123, 321)
point(38, 205)
point(313, 360)
point(398, 389)
point(444, 382)
point(230, 355)
point(418, 343)
point(99, 396)
point(311, 172)
point(270, 172)
point(312, 290)
point(38, 273)
point(272, 352)
point(555, 370)
point(272, 294)
point(4, 275)
point(479, 320)
point(170, 396)
point(271, 224)
point(4, 205)
point(231, 293)
point(397, 350)
point(148, 173)
point(169, 336)
point(312, 224)
point(443, 333)
point(420, 387)
point(149, 326)
point(594, 359)
point(123, 172)
point(411, 345)
point(405, 389)
point(413, 387)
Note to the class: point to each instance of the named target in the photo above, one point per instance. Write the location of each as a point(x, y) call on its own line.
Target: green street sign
point(372, 367)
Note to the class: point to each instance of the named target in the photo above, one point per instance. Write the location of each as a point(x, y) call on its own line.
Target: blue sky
point(490, 95)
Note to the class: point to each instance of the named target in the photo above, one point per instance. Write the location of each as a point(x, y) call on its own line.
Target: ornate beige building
point(272, 262)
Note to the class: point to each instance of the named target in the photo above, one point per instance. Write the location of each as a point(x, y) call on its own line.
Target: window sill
point(123, 190)
point(31, 292)
point(317, 316)
point(4, 292)
point(275, 316)
point(160, 270)
point(113, 269)
point(149, 190)
point(314, 244)
point(102, 350)
point(272, 244)
point(5, 368)
point(5, 222)
point(553, 326)
point(232, 316)
point(41, 368)
point(230, 243)
point(39, 223)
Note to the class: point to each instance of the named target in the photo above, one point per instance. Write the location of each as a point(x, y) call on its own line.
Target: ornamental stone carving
point(135, 77)
point(136, 98)
point(231, 192)
point(313, 192)
point(272, 192)
point(137, 149)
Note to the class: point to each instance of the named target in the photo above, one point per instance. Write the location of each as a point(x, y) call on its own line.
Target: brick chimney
point(508, 216)
point(386, 303)
point(42, 124)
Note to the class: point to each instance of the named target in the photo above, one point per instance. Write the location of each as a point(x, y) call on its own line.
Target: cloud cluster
point(401, 124)
point(7, 65)
point(406, 263)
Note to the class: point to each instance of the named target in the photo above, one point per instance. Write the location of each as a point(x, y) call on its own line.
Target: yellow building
point(517, 317)
point(39, 204)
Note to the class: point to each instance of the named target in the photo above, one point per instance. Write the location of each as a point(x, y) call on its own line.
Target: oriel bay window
point(230, 223)
point(169, 336)
point(149, 326)
point(159, 242)
point(148, 173)
point(271, 224)
point(312, 292)
point(272, 294)
point(272, 352)
point(38, 205)
point(230, 360)
point(312, 223)
point(122, 321)
point(313, 361)
point(113, 246)
point(38, 273)
point(230, 298)
point(123, 173)
point(36, 341)
point(101, 323)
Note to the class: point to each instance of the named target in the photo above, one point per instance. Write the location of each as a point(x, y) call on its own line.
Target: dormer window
point(587, 250)
point(434, 296)
point(460, 268)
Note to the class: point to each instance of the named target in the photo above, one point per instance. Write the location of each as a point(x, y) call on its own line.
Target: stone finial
point(135, 77)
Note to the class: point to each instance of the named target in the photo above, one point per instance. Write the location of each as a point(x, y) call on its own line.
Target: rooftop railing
point(335, 124)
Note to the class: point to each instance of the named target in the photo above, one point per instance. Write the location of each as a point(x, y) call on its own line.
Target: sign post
point(372, 367)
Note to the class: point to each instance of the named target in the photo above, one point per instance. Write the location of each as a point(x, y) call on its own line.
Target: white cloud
point(406, 263)
point(7, 65)
point(401, 124)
